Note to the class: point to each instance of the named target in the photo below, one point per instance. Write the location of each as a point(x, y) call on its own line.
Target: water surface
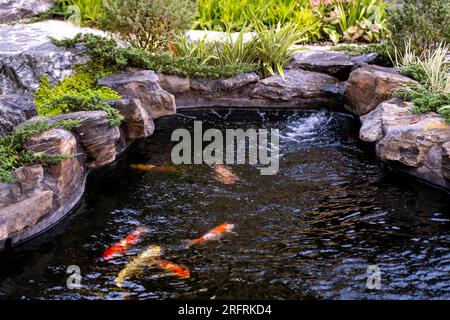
point(309, 232)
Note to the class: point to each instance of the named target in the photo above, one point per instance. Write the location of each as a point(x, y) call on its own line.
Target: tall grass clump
point(431, 70)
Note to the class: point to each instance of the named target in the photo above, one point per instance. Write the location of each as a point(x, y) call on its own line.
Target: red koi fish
point(214, 234)
point(174, 269)
point(224, 174)
point(122, 246)
point(150, 167)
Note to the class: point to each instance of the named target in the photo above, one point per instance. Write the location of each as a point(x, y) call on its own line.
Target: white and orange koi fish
point(224, 174)
point(214, 234)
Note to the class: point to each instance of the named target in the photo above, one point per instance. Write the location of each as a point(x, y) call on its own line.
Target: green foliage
point(268, 47)
point(431, 68)
point(425, 100)
point(83, 12)
point(425, 22)
point(107, 54)
point(149, 24)
point(274, 45)
point(78, 92)
point(354, 20)
point(12, 154)
point(431, 92)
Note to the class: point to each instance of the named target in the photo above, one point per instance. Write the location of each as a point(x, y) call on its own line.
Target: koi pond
point(311, 231)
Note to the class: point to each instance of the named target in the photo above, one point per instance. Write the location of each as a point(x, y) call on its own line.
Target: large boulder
point(300, 88)
point(138, 122)
point(414, 142)
point(64, 177)
point(14, 109)
point(144, 86)
point(96, 136)
point(335, 63)
point(39, 196)
point(370, 85)
point(11, 10)
point(27, 53)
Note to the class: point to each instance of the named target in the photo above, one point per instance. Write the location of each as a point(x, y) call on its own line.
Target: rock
point(174, 84)
point(299, 87)
point(17, 217)
point(335, 63)
point(14, 109)
point(97, 138)
point(226, 85)
point(414, 142)
point(64, 177)
point(27, 179)
point(446, 160)
point(138, 122)
point(26, 54)
point(370, 85)
point(39, 196)
point(144, 86)
point(11, 10)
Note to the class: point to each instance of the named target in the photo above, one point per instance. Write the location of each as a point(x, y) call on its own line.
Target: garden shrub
point(105, 52)
point(12, 154)
point(425, 22)
point(149, 24)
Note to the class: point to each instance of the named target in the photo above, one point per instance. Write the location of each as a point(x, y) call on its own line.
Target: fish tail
point(190, 243)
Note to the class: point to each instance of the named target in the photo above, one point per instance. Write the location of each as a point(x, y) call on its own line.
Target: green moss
point(12, 154)
point(77, 92)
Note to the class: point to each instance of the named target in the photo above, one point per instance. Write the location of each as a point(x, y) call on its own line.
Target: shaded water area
point(309, 232)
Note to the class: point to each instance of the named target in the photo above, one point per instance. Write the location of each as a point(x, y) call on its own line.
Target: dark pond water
point(309, 232)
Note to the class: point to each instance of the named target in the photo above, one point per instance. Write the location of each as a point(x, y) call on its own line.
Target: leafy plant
point(425, 100)
point(84, 12)
point(203, 50)
point(274, 46)
point(425, 22)
point(352, 20)
point(431, 70)
point(149, 24)
point(13, 155)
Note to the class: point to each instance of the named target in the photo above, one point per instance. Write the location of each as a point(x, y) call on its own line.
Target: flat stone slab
point(335, 63)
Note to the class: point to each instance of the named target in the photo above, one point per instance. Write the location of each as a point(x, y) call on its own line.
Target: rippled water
point(309, 232)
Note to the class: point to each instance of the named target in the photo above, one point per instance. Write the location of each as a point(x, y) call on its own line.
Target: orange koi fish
point(214, 234)
point(224, 174)
point(150, 167)
point(174, 268)
point(121, 246)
